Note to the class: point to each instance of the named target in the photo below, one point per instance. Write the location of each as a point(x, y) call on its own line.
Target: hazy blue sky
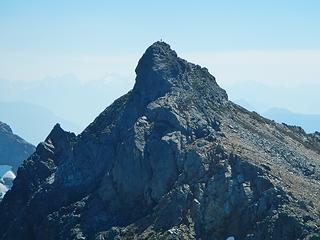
point(272, 43)
point(127, 27)
point(44, 37)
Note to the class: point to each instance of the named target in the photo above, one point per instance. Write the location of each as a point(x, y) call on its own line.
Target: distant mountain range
point(32, 122)
point(262, 97)
point(66, 96)
point(309, 122)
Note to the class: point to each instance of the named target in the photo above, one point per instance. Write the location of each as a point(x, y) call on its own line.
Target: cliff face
point(13, 149)
point(171, 159)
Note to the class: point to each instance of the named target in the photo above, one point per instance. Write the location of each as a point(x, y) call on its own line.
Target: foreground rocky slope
point(13, 149)
point(171, 159)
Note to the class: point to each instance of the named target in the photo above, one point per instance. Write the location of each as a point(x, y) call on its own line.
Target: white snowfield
point(3, 190)
point(5, 182)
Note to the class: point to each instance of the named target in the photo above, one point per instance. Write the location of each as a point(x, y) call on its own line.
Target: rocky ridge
point(13, 149)
point(171, 159)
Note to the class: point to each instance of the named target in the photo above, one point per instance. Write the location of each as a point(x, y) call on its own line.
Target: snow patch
point(3, 190)
point(231, 238)
point(6, 182)
point(9, 176)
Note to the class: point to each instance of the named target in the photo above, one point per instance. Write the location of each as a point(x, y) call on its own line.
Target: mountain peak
point(161, 48)
point(5, 128)
point(160, 69)
point(158, 52)
point(172, 159)
point(156, 68)
point(59, 137)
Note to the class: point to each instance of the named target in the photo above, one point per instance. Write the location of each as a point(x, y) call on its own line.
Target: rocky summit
point(171, 159)
point(13, 149)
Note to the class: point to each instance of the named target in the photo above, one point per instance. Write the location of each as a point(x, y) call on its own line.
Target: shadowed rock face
point(171, 159)
point(13, 149)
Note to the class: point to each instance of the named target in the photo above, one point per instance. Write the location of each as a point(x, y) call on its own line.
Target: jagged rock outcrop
point(171, 159)
point(13, 149)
